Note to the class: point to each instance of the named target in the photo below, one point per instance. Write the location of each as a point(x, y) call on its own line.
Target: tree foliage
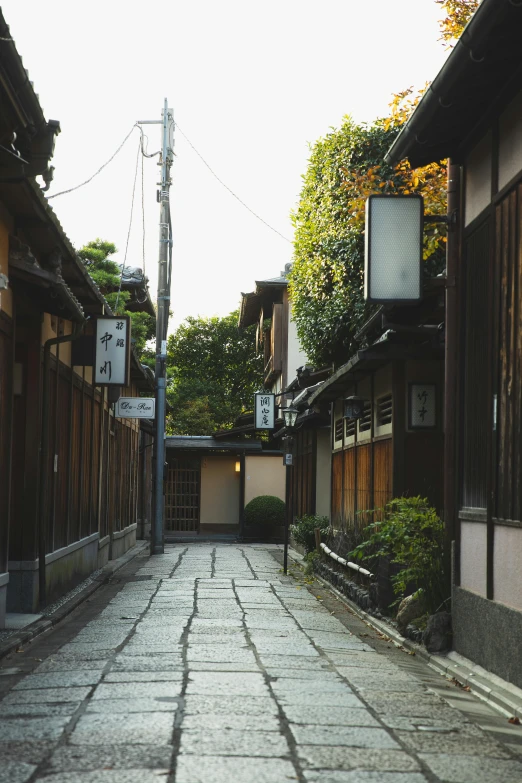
point(213, 374)
point(345, 167)
point(457, 15)
point(106, 273)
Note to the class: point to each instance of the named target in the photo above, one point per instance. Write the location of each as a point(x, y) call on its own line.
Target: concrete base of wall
point(488, 633)
point(4, 580)
point(64, 569)
point(123, 540)
point(103, 551)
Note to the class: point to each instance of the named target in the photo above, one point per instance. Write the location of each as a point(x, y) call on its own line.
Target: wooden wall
point(361, 481)
point(6, 418)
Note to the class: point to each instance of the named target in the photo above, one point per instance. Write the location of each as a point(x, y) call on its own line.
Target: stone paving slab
point(215, 769)
point(232, 742)
point(67, 758)
point(359, 776)
point(16, 772)
point(151, 728)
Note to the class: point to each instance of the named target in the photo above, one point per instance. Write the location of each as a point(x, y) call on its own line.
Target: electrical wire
point(143, 211)
point(229, 190)
point(130, 225)
point(70, 190)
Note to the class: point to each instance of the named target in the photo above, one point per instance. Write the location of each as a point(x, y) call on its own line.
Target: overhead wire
point(130, 225)
point(229, 189)
point(70, 190)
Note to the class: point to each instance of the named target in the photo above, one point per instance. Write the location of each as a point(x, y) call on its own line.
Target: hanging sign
point(135, 408)
point(112, 354)
point(264, 411)
point(288, 460)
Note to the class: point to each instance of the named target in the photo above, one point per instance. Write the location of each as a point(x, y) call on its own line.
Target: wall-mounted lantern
point(393, 248)
point(353, 408)
point(290, 417)
point(238, 466)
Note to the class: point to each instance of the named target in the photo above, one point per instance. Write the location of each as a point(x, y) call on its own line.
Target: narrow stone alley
point(206, 664)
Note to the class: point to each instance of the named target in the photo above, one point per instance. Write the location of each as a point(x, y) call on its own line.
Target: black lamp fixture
point(290, 417)
point(353, 407)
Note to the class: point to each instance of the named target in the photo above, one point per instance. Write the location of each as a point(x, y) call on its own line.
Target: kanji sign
point(135, 408)
point(112, 351)
point(423, 406)
point(264, 411)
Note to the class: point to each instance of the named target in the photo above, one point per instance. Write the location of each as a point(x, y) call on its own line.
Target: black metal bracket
point(449, 220)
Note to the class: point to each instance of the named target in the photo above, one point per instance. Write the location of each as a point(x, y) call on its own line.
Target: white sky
point(251, 84)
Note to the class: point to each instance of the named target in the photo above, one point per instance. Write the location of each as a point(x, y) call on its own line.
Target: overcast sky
point(251, 85)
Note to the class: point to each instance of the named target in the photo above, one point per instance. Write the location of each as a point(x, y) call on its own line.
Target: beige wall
point(264, 476)
point(473, 557)
point(322, 484)
point(219, 491)
point(507, 566)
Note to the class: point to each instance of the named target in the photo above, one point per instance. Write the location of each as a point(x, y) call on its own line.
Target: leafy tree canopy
point(457, 15)
point(213, 373)
point(344, 168)
point(106, 273)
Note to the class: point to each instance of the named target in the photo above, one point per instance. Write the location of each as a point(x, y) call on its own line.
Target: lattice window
point(365, 422)
point(349, 427)
point(384, 410)
point(339, 429)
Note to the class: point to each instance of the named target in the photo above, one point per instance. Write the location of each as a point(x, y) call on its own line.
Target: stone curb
point(46, 623)
point(498, 693)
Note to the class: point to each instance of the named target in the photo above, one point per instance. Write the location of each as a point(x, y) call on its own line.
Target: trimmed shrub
point(304, 530)
point(265, 510)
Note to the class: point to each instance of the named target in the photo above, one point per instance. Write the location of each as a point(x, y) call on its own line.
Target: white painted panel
point(478, 179)
point(296, 355)
point(507, 566)
point(322, 481)
point(510, 142)
point(473, 557)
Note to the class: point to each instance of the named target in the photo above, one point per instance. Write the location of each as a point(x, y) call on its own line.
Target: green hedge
point(265, 510)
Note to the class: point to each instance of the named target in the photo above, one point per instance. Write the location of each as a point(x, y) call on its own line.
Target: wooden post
point(317, 534)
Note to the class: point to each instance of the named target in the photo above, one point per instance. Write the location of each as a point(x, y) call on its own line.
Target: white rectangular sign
point(135, 408)
point(264, 411)
point(112, 351)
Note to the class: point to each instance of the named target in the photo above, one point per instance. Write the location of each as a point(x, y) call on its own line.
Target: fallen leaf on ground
point(515, 721)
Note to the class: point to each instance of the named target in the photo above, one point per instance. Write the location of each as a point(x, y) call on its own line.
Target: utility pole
point(162, 318)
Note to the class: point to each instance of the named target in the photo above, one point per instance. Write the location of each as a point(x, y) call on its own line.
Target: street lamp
point(290, 418)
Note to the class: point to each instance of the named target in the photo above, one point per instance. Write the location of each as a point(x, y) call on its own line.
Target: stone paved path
point(209, 666)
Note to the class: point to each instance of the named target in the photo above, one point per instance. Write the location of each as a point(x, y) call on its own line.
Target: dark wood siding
point(337, 489)
point(182, 494)
point(382, 488)
point(6, 419)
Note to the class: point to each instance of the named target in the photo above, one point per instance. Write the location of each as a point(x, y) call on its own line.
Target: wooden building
point(396, 447)
point(69, 471)
point(472, 114)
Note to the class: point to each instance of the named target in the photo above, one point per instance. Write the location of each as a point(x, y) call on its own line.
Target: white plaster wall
point(507, 566)
point(219, 491)
point(264, 476)
point(510, 142)
point(478, 178)
point(322, 481)
point(473, 557)
point(296, 355)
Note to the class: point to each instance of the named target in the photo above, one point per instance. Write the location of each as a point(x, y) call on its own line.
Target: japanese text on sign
point(264, 408)
point(112, 351)
point(423, 409)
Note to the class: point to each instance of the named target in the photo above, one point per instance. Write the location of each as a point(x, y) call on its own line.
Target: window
point(365, 422)
point(384, 410)
point(349, 429)
point(339, 429)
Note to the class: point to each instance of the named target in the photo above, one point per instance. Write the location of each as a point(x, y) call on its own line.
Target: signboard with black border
point(112, 342)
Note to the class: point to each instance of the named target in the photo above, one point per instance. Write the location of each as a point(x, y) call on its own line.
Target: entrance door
point(182, 495)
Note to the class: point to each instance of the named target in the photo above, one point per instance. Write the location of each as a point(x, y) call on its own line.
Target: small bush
point(411, 535)
point(304, 530)
point(265, 510)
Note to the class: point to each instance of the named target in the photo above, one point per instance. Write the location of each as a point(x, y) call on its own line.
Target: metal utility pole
point(162, 318)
